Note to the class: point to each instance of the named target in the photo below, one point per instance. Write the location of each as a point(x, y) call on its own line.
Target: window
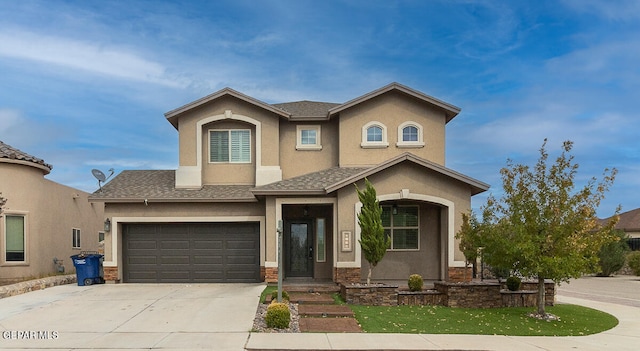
point(14, 238)
point(374, 135)
point(410, 135)
point(308, 137)
point(401, 223)
point(230, 146)
point(100, 237)
point(321, 244)
point(75, 234)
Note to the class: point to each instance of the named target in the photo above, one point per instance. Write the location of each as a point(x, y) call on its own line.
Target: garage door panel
point(191, 252)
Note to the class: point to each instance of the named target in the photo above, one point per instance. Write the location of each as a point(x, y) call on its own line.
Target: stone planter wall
point(483, 295)
point(520, 298)
point(36, 284)
point(549, 290)
point(375, 295)
point(420, 298)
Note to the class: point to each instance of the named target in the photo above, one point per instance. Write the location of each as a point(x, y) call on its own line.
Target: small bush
point(285, 296)
point(513, 283)
point(612, 255)
point(415, 282)
point(633, 259)
point(278, 315)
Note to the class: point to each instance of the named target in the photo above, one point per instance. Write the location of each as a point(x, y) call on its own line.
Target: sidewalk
point(626, 336)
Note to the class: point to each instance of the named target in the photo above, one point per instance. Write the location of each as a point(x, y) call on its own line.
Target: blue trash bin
point(88, 268)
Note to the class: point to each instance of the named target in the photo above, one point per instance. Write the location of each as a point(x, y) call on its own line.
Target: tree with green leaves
point(541, 227)
point(373, 241)
point(612, 255)
point(470, 240)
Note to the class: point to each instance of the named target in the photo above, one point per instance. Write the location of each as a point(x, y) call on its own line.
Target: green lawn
point(574, 320)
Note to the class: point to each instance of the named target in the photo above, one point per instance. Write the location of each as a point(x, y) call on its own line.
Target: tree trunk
point(541, 300)
point(369, 275)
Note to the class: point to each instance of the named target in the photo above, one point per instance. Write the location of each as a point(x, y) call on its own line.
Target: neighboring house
point(245, 166)
point(41, 220)
point(629, 222)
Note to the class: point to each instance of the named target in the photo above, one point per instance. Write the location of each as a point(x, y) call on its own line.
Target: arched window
point(410, 135)
point(374, 135)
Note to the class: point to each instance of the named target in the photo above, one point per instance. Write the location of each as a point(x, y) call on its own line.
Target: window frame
point(299, 131)
point(392, 227)
point(410, 144)
point(366, 144)
point(76, 235)
point(25, 238)
point(229, 143)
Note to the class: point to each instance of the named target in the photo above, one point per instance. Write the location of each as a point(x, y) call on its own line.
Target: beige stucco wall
point(391, 109)
point(52, 210)
point(419, 181)
point(299, 162)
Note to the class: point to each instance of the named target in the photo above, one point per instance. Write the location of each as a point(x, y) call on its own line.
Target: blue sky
point(84, 84)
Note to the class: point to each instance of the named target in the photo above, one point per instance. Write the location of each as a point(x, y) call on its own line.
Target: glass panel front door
point(299, 249)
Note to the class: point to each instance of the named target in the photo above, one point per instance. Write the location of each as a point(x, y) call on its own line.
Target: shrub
point(415, 282)
point(285, 296)
point(633, 259)
point(513, 283)
point(612, 255)
point(278, 315)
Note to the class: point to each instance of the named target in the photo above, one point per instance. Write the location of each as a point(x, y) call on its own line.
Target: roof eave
point(164, 200)
point(288, 192)
point(45, 168)
point(172, 115)
point(450, 110)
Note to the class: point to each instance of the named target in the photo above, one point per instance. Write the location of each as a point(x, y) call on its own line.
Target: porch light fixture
point(107, 225)
point(394, 209)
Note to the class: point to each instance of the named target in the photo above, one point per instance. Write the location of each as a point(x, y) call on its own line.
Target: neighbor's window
point(308, 137)
point(410, 135)
point(75, 234)
point(230, 146)
point(401, 223)
point(374, 135)
point(14, 238)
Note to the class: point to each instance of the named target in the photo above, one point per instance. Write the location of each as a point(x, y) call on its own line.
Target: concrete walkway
point(605, 294)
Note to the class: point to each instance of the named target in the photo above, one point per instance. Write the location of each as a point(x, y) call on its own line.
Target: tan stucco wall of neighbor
point(299, 162)
point(419, 181)
point(392, 110)
point(52, 210)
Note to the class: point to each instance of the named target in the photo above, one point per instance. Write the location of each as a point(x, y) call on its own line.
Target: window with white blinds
point(232, 146)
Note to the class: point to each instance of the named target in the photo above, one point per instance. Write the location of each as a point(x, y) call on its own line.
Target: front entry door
point(299, 248)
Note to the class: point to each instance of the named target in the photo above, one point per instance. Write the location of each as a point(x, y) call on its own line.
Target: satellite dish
point(99, 175)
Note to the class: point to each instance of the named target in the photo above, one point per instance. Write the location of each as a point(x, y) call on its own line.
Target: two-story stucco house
point(245, 166)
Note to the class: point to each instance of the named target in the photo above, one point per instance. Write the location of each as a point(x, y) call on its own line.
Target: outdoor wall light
point(107, 225)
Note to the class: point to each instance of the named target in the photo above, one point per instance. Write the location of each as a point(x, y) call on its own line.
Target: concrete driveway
point(130, 316)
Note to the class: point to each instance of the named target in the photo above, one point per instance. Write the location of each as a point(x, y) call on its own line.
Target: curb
point(36, 284)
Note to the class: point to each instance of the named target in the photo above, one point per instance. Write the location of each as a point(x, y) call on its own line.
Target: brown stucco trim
point(450, 110)
point(173, 115)
point(476, 185)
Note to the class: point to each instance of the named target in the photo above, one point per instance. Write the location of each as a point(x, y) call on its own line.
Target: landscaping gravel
point(259, 325)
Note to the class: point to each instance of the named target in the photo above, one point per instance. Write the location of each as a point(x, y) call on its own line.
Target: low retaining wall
point(468, 295)
point(36, 284)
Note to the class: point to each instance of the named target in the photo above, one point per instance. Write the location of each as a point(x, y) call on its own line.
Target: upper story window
point(308, 137)
point(402, 224)
point(230, 146)
point(410, 135)
point(374, 135)
point(15, 238)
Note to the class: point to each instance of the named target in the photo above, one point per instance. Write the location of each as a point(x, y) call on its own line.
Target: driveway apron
point(131, 316)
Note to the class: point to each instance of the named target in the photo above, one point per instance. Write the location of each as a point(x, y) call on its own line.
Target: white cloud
point(9, 119)
point(90, 57)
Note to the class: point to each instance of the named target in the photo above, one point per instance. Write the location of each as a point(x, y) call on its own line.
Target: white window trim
point(229, 131)
point(374, 144)
point(73, 238)
point(300, 145)
point(410, 144)
point(3, 238)
point(398, 227)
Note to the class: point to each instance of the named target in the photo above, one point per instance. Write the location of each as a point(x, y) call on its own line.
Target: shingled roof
point(307, 109)
point(11, 154)
point(159, 185)
point(628, 221)
point(310, 184)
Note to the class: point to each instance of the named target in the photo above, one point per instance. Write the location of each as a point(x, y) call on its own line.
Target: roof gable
point(173, 115)
point(450, 110)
